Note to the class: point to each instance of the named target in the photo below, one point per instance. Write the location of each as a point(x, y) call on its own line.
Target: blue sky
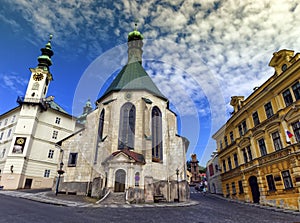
point(199, 53)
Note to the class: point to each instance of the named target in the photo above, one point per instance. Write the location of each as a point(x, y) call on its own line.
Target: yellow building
point(259, 146)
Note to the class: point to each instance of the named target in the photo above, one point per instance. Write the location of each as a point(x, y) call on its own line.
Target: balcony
point(33, 101)
point(267, 121)
point(279, 154)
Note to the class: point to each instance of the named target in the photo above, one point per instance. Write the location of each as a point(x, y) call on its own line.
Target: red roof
point(132, 155)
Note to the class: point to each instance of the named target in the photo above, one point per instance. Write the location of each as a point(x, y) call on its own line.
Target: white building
point(28, 133)
point(213, 175)
point(130, 142)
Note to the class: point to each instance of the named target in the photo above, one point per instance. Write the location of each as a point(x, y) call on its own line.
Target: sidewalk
point(83, 201)
point(257, 205)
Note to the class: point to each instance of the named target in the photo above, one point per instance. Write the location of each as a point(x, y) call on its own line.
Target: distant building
point(130, 143)
point(213, 175)
point(28, 132)
point(259, 145)
point(195, 169)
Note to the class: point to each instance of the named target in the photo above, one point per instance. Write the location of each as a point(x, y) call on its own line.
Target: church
point(129, 144)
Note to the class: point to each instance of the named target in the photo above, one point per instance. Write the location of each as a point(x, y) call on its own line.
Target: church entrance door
point(120, 181)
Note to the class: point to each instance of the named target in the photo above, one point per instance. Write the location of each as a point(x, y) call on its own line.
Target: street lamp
point(177, 173)
point(60, 172)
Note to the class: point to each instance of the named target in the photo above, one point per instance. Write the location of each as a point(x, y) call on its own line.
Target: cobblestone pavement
point(80, 201)
point(207, 208)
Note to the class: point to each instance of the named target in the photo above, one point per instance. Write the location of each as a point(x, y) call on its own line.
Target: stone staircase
point(114, 198)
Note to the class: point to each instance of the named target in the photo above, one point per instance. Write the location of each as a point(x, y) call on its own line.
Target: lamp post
point(177, 173)
point(60, 172)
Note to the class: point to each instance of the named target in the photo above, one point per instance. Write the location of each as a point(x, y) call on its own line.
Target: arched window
point(101, 125)
point(127, 126)
point(157, 149)
point(100, 134)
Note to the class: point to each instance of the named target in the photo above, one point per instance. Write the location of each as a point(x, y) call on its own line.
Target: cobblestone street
point(204, 208)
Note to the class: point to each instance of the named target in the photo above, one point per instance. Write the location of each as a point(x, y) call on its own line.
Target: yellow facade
point(260, 161)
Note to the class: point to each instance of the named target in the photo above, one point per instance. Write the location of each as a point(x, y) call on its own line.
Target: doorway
point(28, 183)
point(254, 189)
point(120, 181)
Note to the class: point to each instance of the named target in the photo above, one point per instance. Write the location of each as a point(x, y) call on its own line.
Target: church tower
point(130, 143)
point(40, 77)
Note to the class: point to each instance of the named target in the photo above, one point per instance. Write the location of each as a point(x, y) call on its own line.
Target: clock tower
point(40, 77)
point(30, 143)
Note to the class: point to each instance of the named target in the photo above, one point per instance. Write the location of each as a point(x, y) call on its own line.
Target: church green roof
point(133, 77)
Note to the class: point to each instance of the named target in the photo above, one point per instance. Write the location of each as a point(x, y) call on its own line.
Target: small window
point(227, 190)
point(216, 168)
point(262, 147)
point(13, 119)
point(221, 144)
point(0, 123)
point(245, 155)
point(57, 120)
point(271, 183)
point(225, 141)
point(137, 179)
point(229, 163)
point(72, 159)
point(242, 128)
point(5, 121)
point(1, 135)
point(296, 128)
point(235, 158)
point(3, 153)
point(287, 179)
point(9, 133)
point(51, 153)
point(241, 188)
point(249, 153)
point(224, 166)
point(296, 90)
point(47, 173)
point(231, 137)
point(287, 96)
point(269, 110)
point(233, 188)
point(255, 118)
point(276, 141)
point(54, 134)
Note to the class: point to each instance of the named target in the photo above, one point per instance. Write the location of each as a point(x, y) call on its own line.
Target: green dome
point(135, 35)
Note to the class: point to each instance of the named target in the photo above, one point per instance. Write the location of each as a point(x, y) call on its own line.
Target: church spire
point(135, 44)
point(45, 59)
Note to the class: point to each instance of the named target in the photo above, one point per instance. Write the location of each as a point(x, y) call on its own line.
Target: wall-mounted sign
point(19, 145)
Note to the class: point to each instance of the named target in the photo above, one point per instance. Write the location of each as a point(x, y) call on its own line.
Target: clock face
point(20, 141)
point(38, 76)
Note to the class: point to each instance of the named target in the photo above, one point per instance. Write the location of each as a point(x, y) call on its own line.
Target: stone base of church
point(76, 188)
point(158, 191)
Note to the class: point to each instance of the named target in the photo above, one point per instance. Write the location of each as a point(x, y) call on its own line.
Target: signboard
point(19, 145)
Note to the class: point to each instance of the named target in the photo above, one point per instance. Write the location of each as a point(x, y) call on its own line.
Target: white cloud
point(13, 82)
point(221, 45)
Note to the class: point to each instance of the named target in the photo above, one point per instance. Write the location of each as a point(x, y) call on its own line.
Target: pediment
point(292, 113)
point(120, 158)
point(245, 141)
point(258, 133)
